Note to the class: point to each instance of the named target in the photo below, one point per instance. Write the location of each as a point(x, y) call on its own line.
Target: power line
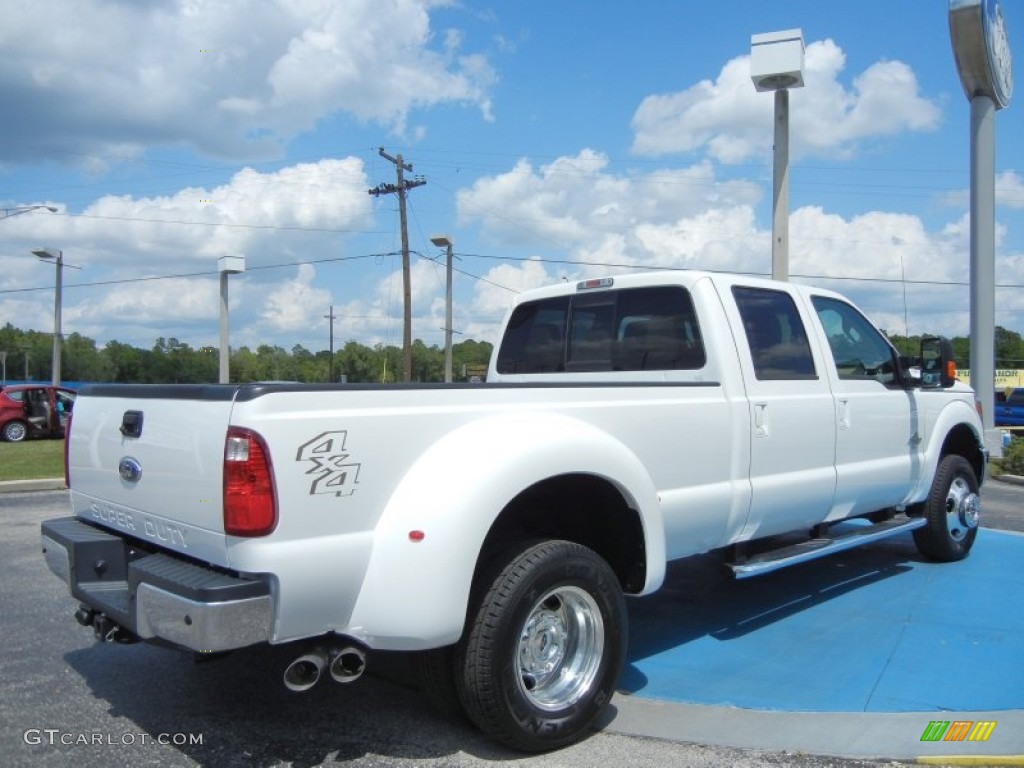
point(204, 273)
point(228, 224)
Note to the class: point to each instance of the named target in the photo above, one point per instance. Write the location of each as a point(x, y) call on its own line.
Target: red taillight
point(250, 504)
point(67, 442)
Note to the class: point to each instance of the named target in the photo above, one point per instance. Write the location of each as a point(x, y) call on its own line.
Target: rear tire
point(951, 511)
point(435, 678)
point(545, 646)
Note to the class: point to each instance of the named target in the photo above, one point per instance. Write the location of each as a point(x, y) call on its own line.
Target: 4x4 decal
point(332, 471)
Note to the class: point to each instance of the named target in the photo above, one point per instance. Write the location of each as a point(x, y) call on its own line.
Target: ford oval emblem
point(129, 469)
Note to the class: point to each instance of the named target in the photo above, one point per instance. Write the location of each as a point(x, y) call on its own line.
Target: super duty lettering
point(496, 530)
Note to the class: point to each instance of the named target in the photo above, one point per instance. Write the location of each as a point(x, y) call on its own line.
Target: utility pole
point(330, 320)
point(399, 188)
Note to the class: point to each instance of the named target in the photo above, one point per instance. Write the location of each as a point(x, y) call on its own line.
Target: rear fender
point(430, 534)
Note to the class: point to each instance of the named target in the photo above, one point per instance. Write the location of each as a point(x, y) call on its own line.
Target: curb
point(1011, 479)
point(44, 484)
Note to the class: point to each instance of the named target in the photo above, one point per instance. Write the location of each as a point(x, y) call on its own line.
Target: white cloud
point(731, 122)
point(228, 77)
point(574, 202)
point(294, 305)
point(300, 213)
point(575, 209)
point(1010, 189)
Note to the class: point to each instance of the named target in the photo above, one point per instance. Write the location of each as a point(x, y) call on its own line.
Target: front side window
point(775, 334)
point(858, 348)
point(634, 329)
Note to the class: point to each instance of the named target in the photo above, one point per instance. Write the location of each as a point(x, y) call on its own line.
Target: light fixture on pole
point(982, 52)
point(226, 265)
point(444, 241)
point(8, 212)
point(777, 64)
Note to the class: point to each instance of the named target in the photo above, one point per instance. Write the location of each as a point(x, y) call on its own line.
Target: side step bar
point(766, 562)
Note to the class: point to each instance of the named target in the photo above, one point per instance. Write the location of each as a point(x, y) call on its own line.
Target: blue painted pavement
point(876, 629)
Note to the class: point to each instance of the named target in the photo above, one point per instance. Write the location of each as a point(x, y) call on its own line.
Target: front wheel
point(951, 511)
point(545, 648)
point(15, 431)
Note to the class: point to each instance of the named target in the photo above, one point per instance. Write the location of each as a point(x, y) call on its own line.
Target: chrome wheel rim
point(15, 432)
point(560, 648)
point(963, 506)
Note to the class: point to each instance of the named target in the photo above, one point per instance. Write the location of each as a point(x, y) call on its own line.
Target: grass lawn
point(31, 459)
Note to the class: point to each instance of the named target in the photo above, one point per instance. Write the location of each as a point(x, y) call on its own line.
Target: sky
point(556, 140)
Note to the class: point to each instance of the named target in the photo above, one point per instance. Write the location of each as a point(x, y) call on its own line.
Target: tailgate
point(147, 460)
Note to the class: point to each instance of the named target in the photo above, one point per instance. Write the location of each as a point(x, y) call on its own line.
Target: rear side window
point(775, 333)
point(535, 338)
point(635, 329)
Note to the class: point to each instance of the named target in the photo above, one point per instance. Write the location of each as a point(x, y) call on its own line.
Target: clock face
point(997, 46)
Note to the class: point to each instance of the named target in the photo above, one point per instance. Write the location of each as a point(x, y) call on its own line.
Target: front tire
point(15, 431)
point(952, 510)
point(545, 647)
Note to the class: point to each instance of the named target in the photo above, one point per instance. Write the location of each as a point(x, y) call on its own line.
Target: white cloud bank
point(230, 78)
point(731, 122)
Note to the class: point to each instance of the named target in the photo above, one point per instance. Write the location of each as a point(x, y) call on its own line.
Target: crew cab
point(495, 530)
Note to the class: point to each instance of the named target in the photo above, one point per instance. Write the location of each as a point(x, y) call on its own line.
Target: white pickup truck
point(626, 422)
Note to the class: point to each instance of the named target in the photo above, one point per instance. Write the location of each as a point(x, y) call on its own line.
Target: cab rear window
point(633, 329)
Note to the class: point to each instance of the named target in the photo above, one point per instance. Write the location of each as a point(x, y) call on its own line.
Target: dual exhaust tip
point(345, 665)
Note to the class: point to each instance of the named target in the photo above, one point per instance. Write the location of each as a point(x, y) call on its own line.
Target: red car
point(34, 410)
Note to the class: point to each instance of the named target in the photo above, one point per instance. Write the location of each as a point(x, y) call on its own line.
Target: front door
point(879, 433)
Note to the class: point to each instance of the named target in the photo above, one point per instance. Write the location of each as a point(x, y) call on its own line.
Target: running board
point(766, 562)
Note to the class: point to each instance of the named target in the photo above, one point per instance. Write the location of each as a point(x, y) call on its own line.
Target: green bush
point(1013, 457)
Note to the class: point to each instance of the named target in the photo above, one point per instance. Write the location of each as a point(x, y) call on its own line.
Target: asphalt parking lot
point(849, 657)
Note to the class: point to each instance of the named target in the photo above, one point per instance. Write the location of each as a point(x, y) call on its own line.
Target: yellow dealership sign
point(1006, 378)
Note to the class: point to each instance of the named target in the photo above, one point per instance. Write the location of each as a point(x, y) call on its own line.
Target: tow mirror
point(938, 368)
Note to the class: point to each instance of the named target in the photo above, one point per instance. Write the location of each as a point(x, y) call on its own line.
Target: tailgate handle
point(131, 424)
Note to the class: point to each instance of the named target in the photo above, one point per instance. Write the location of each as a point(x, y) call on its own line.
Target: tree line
point(1009, 351)
point(170, 361)
point(29, 354)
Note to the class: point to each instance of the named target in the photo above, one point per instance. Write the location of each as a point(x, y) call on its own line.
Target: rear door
point(793, 431)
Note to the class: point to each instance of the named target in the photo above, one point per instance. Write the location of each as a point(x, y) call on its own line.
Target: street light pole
point(446, 242)
point(47, 254)
point(226, 265)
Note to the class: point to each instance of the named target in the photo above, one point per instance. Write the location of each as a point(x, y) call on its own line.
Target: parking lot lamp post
point(443, 241)
point(226, 265)
point(777, 64)
point(57, 257)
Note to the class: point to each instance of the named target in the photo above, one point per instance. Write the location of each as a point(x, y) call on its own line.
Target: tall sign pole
point(982, 52)
point(399, 189)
